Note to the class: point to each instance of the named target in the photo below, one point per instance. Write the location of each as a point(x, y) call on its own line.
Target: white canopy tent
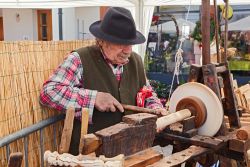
point(193, 2)
point(61, 3)
point(81, 3)
point(142, 10)
point(239, 25)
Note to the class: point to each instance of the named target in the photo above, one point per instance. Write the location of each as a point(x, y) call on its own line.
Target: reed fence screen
point(24, 66)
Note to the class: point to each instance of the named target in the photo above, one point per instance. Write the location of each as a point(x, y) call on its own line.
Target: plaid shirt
point(65, 88)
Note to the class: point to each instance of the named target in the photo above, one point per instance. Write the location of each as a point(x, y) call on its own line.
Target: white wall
point(55, 26)
point(75, 21)
point(85, 16)
point(15, 30)
point(68, 24)
point(35, 25)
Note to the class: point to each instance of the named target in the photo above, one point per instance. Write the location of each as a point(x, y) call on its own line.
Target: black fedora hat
point(117, 26)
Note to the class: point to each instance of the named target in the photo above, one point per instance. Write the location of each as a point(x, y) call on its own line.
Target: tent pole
point(205, 31)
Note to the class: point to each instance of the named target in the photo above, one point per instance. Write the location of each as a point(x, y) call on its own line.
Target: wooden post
point(205, 31)
point(67, 131)
point(225, 32)
point(84, 127)
point(217, 31)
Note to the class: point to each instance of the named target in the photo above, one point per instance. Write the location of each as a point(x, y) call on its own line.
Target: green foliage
point(147, 62)
point(197, 31)
point(162, 90)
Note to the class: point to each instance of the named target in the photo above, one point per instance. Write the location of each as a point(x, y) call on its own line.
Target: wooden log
point(241, 91)
point(15, 159)
point(140, 128)
point(244, 88)
point(238, 98)
point(243, 133)
point(67, 131)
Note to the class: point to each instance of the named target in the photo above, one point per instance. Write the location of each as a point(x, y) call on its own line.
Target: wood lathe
point(199, 103)
point(193, 103)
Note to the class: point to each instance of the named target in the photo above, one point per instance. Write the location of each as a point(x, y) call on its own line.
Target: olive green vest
point(98, 75)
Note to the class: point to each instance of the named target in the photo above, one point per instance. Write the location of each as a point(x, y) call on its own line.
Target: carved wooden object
point(162, 122)
point(54, 159)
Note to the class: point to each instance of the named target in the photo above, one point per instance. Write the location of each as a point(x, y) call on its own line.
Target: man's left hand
point(161, 111)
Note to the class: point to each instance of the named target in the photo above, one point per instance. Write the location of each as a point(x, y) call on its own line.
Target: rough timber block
point(135, 133)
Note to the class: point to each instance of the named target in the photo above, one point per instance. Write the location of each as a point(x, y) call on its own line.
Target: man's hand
point(161, 111)
point(106, 102)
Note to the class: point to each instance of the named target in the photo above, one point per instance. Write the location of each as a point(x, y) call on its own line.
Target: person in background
point(101, 77)
point(165, 45)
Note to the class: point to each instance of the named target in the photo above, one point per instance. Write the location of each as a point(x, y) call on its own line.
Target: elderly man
point(101, 77)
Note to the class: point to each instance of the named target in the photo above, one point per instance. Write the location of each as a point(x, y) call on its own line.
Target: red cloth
point(144, 93)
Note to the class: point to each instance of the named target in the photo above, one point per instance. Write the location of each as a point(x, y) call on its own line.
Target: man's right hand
point(106, 102)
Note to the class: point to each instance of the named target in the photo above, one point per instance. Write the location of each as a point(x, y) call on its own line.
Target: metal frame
point(23, 133)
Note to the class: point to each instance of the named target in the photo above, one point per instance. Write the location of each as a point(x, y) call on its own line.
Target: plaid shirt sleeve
point(152, 102)
point(64, 88)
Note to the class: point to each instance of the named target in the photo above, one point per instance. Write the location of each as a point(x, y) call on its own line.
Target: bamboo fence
point(24, 66)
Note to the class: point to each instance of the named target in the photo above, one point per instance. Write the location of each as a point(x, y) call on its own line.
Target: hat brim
point(96, 30)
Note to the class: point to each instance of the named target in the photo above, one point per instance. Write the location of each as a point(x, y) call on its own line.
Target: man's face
point(117, 53)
